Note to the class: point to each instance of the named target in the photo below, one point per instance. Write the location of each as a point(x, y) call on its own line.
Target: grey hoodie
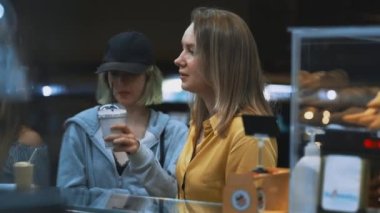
point(85, 162)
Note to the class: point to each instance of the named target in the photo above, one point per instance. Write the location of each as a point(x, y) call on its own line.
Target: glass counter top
point(94, 200)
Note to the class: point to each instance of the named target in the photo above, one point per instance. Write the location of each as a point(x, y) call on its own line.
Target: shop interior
point(61, 44)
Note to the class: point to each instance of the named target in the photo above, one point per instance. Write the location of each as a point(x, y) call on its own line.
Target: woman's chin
point(185, 87)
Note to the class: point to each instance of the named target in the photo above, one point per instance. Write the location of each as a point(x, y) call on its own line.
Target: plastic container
point(110, 115)
point(304, 180)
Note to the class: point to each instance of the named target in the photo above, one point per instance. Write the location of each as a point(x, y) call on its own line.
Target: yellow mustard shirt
point(204, 177)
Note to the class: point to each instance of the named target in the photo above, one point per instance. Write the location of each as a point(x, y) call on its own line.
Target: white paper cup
point(109, 117)
point(23, 173)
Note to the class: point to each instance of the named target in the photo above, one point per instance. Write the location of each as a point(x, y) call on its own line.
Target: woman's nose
point(179, 61)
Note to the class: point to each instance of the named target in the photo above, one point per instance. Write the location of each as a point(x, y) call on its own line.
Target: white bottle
point(304, 181)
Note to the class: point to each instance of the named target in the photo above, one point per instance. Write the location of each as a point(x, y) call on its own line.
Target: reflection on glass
point(1, 10)
point(13, 81)
point(19, 134)
point(96, 198)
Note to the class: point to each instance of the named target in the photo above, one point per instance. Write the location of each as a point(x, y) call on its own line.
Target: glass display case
point(335, 81)
point(335, 98)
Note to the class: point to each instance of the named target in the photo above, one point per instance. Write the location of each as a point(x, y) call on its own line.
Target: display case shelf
point(335, 77)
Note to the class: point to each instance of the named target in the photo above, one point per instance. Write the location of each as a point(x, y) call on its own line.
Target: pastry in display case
point(336, 88)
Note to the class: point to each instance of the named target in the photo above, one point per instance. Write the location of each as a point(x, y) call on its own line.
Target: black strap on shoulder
point(162, 148)
point(162, 160)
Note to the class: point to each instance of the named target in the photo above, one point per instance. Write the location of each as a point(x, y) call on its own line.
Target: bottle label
point(342, 183)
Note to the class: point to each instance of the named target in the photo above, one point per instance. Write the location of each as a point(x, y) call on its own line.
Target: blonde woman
point(219, 63)
point(145, 153)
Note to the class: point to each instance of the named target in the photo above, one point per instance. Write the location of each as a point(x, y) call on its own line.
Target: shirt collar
point(211, 123)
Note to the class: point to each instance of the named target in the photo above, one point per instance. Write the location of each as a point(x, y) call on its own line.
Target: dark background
point(62, 41)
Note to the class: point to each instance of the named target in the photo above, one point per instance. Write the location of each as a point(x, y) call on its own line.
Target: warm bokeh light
point(326, 117)
point(326, 120)
point(308, 115)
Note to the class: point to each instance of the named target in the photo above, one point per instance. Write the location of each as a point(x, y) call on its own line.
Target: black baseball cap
point(130, 52)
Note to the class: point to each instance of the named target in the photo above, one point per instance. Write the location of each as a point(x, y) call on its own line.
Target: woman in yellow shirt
point(219, 63)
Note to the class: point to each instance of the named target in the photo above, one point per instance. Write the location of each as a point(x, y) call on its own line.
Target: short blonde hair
point(152, 94)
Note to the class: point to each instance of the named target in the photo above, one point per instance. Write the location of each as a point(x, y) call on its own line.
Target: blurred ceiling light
point(1, 11)
point(267, 95)
point(281, 88)
point(171, 85)
point(46, 91)
point(53, 90)
point(277, 92)
point(331, 94)
point(172, 91)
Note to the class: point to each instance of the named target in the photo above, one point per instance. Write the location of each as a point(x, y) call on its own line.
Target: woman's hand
point(124, 141)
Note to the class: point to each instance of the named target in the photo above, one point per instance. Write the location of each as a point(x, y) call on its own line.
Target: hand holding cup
point(110, 115)
point(124, 140)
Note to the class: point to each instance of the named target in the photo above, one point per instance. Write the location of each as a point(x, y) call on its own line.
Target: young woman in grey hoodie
point(144, 154)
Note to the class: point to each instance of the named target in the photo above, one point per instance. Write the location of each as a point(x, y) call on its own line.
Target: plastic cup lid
point(111, 110)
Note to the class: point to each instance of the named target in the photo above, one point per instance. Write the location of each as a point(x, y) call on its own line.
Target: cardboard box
point(257, 192)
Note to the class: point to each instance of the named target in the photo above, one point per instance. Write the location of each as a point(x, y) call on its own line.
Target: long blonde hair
point(230, 60)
